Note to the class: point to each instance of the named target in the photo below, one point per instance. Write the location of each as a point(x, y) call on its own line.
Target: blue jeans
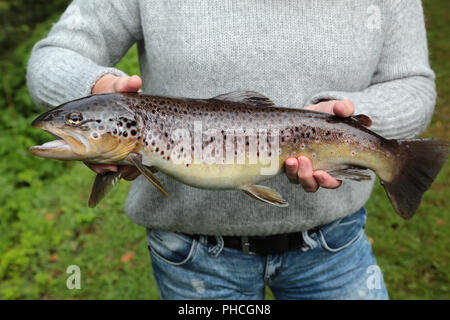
point(336, 262)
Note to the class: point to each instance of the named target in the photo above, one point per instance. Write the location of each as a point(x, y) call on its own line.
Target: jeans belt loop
point(217, 249)
point(246, 246)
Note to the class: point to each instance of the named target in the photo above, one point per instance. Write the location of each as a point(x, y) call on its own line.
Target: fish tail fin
point(424, 160)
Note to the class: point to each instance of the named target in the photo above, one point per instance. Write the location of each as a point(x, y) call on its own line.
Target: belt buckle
point(246, 246)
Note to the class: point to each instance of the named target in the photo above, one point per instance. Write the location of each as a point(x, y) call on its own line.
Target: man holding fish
point(341, 58)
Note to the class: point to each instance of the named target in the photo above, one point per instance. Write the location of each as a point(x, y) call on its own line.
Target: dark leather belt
point(262, 245)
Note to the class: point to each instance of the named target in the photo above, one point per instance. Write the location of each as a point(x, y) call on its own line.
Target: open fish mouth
point(57, 149)
point(51, 146)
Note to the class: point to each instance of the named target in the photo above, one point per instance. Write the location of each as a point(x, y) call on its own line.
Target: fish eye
point(74, 118)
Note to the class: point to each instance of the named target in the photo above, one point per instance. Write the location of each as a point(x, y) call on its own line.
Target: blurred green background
point(45, 224)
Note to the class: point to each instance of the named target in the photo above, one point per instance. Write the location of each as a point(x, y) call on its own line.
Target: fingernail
point(301, 164)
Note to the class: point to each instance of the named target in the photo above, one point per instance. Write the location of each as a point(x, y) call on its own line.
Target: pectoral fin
point(135, 159)
point(103, 183)
point(265, 194)
point(350, 173)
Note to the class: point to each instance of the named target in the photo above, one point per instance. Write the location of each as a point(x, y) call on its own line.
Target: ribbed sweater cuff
point(67, 79)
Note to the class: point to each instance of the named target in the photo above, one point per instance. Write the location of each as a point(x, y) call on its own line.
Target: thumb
point(343, 108)
point(128, 84)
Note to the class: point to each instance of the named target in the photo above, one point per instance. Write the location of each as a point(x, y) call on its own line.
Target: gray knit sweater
point(298, 52)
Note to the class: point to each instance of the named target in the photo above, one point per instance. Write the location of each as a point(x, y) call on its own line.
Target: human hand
point(299, 171)
point(110, 83)
point(107, 84)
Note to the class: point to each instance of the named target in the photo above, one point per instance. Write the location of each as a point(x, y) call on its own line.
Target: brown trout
point(233, 141)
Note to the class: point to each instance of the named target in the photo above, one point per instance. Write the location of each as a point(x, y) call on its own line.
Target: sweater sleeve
point(88, 40)
point(402, 95)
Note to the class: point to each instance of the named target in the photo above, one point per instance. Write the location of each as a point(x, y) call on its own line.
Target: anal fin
point(265, 194)
point(135, 159)
point(350, 173)
point(103, 183)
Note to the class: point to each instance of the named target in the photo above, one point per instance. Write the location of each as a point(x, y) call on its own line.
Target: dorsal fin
point(363, 120)
point(248, 97)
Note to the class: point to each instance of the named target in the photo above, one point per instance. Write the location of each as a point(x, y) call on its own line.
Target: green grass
point(45, 224)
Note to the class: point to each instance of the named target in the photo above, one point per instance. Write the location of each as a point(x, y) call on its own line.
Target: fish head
point(95, 129)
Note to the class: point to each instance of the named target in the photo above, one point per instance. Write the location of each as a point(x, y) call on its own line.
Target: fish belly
point(220, 176)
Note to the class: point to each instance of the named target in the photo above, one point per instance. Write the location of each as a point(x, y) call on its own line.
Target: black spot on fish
point(133, 132)
point(125, 134)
